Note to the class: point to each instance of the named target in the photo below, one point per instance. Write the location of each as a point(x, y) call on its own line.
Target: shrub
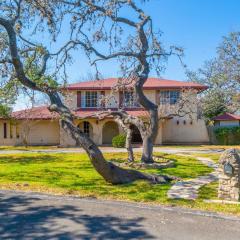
point(228, 135)
point(119, 141)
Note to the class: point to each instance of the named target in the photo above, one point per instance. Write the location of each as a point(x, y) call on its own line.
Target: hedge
point(228, 135)
point(119, 141)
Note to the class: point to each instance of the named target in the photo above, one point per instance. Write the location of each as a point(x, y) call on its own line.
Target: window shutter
point(79, 99)
point(5, 130)
point(157, 100)
point(103, 103)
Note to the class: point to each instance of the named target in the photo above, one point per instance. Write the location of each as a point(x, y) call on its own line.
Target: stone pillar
point(229, 175)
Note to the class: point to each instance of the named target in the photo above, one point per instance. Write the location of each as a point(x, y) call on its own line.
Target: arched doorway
point(110, 130)
point(136, 135)
point(86, 127)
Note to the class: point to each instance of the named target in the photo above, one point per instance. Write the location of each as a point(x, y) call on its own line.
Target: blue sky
point(197, 26)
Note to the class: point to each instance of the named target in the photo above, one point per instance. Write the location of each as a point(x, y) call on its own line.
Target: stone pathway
point(189, 189)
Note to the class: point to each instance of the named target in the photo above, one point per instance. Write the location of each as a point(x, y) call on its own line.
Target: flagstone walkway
point(189, 189)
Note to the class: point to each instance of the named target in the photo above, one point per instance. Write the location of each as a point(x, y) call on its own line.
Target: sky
point(196, 26)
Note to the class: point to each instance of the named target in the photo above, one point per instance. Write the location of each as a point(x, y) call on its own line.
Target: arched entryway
point(86, 127)
point(110, 130)
point(136, 136)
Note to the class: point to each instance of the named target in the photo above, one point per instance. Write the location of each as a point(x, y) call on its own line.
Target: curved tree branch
point(110, 172)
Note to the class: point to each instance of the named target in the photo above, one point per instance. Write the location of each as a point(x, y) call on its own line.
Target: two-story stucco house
point(40, 127)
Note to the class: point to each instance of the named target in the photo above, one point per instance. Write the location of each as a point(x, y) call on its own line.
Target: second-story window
point(91, 99)
point(169, 97)
point(129, 100)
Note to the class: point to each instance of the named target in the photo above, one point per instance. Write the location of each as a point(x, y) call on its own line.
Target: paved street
point(35, 216)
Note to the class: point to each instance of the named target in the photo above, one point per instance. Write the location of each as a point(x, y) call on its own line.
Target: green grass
point(29, 148)
point(67, 173)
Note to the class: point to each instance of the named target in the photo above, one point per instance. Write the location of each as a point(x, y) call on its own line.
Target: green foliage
point(33, 69)
point(4, 111)
point(119, 141)
point(8, 96)
point(213, 104)
point(228, 135)
point(221, 75)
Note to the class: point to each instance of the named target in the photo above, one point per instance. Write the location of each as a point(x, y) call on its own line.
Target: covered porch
point(103, 131)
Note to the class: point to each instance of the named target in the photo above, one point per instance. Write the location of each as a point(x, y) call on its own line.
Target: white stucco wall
point(151, 95)
point(97, 126)
point(42, 132)
point(185, 133)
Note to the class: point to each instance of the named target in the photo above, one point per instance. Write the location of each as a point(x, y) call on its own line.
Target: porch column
point(97, 131)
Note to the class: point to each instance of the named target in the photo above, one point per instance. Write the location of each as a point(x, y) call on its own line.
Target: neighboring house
point(227, 120)
point(83, 99)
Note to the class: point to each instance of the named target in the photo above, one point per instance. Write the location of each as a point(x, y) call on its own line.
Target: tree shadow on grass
point(26, 217)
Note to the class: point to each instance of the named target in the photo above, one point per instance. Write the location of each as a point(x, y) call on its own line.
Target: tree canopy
point(221, 75)
point(132, 41)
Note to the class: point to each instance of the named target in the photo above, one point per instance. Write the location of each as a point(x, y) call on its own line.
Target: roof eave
point(199, 88)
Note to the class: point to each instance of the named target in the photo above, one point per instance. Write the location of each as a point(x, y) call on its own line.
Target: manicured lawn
point(29, 148)
point(67, 173)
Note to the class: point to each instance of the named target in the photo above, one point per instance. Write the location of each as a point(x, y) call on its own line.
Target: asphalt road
point(35, 216)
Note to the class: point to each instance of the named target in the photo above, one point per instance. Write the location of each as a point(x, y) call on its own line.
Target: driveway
point(170, 150)
point(36, 216)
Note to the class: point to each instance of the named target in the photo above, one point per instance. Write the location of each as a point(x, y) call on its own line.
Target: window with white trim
point(169, 97)
point(91, 99)
point(129, 100)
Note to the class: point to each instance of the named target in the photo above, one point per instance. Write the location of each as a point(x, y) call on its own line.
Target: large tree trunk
point(147, 150)
point(110, 172)
point(152, 108)
point(149, 137)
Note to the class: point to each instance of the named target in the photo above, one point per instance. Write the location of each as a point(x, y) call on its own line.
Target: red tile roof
point(151, 83)
point(36, 113)
point(93, 114)
point(227, 117)
point(42, 113)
